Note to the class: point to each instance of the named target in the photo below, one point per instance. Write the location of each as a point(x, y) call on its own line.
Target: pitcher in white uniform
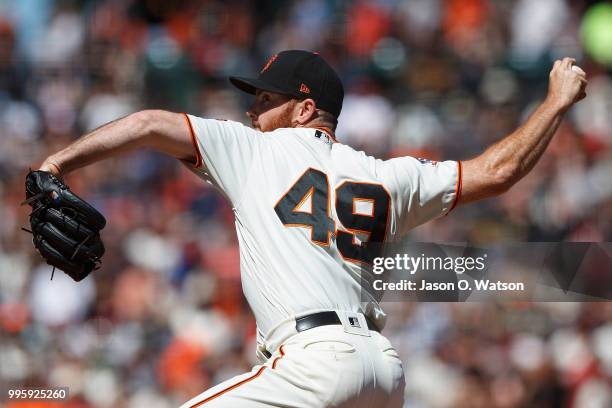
point(304, 205)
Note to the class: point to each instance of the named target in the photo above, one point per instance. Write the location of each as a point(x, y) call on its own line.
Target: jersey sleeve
point(225, 151)
point(421, 189)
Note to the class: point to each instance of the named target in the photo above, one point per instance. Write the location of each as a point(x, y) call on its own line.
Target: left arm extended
point(504, 163)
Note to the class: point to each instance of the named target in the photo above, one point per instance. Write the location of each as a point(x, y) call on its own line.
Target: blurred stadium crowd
point(164, 318)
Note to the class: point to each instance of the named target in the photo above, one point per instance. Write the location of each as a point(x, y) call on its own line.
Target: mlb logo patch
point(427, 161)
point(323, 137)
point(354, 323)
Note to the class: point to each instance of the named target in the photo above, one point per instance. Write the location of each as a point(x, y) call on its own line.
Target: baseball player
point(304, 207)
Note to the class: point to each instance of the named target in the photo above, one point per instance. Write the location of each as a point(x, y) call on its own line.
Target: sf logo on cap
point(270, 61)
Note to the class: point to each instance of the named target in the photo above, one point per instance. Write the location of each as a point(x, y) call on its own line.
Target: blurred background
point(164, 319)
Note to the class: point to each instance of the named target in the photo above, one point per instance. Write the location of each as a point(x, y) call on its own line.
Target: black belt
point(320, 319)
point(324, 319)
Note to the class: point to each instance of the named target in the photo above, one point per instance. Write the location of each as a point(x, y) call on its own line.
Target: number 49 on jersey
point(362, 208)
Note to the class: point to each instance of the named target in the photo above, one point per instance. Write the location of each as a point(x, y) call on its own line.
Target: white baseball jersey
point(303, 205)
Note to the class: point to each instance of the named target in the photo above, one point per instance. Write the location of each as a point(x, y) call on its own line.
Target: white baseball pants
point(321, 367)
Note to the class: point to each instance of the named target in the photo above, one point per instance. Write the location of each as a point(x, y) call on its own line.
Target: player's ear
point(305, 111)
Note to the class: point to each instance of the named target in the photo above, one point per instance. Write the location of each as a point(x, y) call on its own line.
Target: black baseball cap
point(300, 74)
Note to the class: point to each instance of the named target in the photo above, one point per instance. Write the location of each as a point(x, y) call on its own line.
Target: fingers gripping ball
point(578, 70)
point(65, 228)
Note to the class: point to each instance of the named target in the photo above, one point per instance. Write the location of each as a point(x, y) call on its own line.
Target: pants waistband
point(293, 326)
point(324, 319)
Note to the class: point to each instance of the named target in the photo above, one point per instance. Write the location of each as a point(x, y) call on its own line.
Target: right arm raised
point(163, 131)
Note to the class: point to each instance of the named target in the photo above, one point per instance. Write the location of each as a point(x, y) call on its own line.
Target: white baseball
point(578, 70)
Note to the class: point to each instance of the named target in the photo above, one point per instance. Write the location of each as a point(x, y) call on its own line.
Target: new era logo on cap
point(304, 89)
